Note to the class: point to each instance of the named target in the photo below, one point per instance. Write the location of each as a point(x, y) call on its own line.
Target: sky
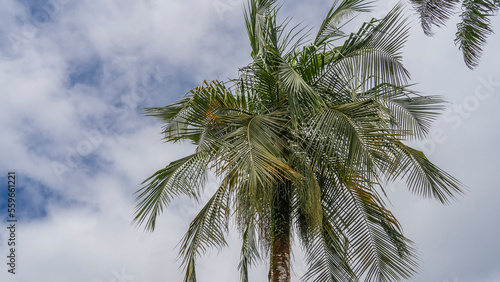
point(74, 76)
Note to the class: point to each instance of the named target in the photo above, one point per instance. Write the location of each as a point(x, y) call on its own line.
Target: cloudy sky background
point(74, 76)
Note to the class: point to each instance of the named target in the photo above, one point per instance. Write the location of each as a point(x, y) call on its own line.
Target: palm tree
point(472, 30)
point(302, 143)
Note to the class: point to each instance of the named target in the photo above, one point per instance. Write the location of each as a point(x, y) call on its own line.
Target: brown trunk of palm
point(280, 231)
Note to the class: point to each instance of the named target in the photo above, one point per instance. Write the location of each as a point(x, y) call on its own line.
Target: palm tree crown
point(302, 142)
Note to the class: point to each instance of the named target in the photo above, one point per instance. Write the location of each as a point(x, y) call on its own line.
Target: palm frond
point(188, 118)
point(306, 201)
point(255, 148)
point(377, 249)
point(390, 256)
point(338, 13)
point(302, 98)
point(423, 177)
point(405, 110)
point(474, 28)
point(372, 55)
point(348, 134)
point(205, 231)
point(249, 250)
point(174, 119)
point(256, 17)
point(434, 12)
point(326, 255)
point(185, 176)
point(260, 86)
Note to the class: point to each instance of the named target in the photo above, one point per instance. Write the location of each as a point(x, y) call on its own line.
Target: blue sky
point(74, 76)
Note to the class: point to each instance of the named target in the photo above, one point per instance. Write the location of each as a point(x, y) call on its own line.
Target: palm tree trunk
point(280, 231)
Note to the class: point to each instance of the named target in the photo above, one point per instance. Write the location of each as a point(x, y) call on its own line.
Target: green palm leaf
point(206, 230)
point(340, 12)
point(433, 12)
point(424, 178)
point(184, 176)
point(474, 28)
point(249, 250)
